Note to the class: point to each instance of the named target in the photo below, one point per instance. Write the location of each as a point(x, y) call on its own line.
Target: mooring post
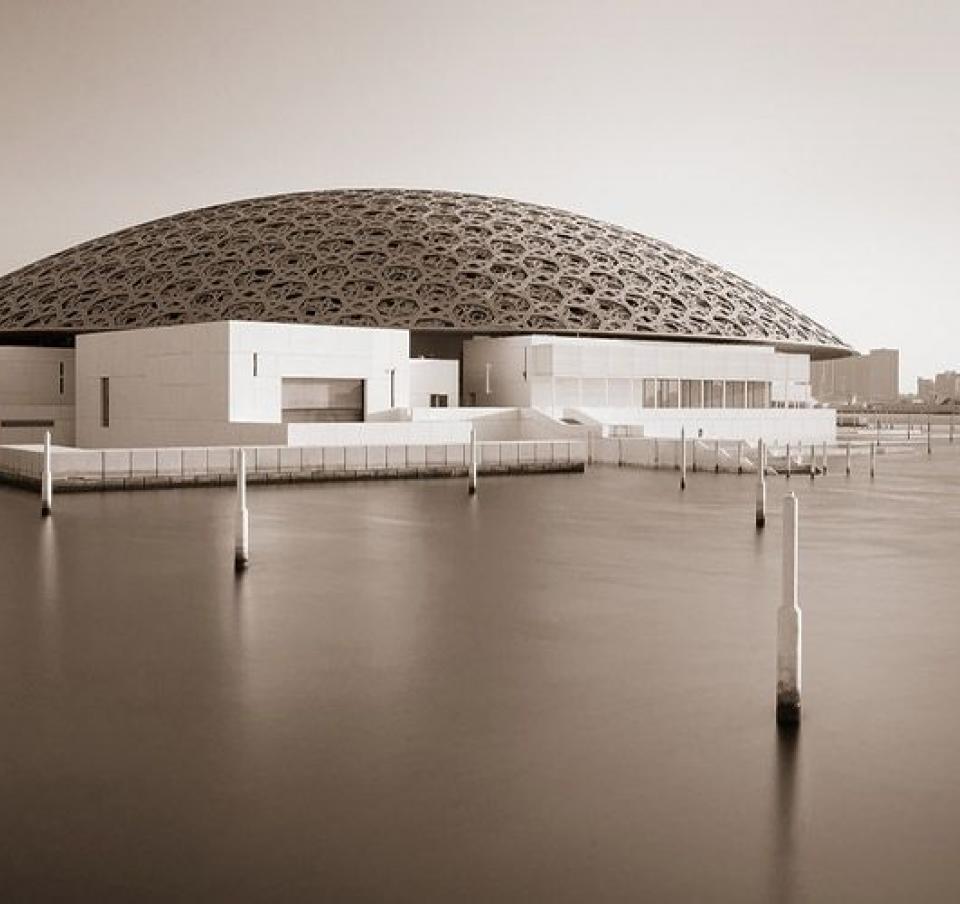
point(739, 456)
point(788, 461)
point(813, 461)
point(656, 453)
point(472, 480)
point(909, 424)
point(241, 557)
point(929, 441)
point(716, 450)
point(878, 429)
point(951, 428)
point(848, 459)
point(46, 479)
point(693, 455)
point(873, 460)
point(823, 458)
point(788, 620)
point(761, 487)
point(683, 459)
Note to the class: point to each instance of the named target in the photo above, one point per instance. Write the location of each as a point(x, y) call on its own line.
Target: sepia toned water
point(561, 690)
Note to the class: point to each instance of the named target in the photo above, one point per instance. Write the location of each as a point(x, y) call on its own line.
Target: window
point(649, 393)
point(104, 401)
point(736, 394)
point(758, 394)
point(668, 393)
point(438, 400)
point(713, 393)
point(691, 393)
point(61, 378)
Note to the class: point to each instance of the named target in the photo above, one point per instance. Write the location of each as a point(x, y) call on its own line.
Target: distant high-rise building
point(874, 377)
point(946, 386)
point(925, 389)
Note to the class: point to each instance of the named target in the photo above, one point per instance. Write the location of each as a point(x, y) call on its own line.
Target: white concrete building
point(36, 394)
point(236, 382)
point(712, 390)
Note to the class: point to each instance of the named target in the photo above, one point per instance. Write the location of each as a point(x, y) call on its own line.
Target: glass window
point(438, 400)
point(713, 393)
point(691, 393)
point(758, 395)
point(668, 393)
point(649, 393)
point(736, 395)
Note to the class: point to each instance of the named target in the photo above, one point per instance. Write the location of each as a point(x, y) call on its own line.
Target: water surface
point(561, 690)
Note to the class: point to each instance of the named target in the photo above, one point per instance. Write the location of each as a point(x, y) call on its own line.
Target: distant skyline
point(811, 149)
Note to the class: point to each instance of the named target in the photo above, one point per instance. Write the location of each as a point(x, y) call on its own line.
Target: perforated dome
point(421, 260)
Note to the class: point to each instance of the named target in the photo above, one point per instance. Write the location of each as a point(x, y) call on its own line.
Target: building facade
point(861, 379)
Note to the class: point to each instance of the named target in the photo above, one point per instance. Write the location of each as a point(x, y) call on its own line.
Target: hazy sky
point(813, 148)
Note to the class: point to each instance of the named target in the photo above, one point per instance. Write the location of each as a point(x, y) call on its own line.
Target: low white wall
point(113, 464)
point(382, 432)
point(774, 425)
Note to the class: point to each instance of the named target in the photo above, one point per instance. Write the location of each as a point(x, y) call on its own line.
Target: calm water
point(559, 691)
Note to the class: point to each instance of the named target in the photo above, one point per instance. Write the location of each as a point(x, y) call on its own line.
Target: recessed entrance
point(311, 400)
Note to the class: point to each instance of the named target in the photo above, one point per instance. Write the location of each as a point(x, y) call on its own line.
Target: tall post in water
point(472, 480)
point(788, 621)
point(716, 464)
point(683, 459)
point(788, 461)
point(848, 459)
point(761, 487)
point(951, 428)
point(241, 557)
point(46, 479)
point(813, 461)
point(739, 456)
point(873, 460)
point(693, 455)
point(823, 457)
point(878, 429)
point(909, 423)
point(656, 453)
point(929, 441)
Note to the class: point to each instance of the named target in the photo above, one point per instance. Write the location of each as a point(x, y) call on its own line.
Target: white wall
point(30, 392)
point(774, 425)
point(168, 386)
point(303, 350)
point(434, 376)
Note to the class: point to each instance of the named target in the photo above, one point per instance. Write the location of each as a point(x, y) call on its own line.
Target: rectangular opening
point(668, 393)
point(25, 422)
point(736, 394)
point(313, 400)
point(691, 393)
point(104, 401)
point(256, 364)
point(61, 377)
point(439, 400)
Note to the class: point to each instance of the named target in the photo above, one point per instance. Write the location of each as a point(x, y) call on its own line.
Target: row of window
point(705, 394)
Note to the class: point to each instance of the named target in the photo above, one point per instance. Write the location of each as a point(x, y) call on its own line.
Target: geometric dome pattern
point(421, 260)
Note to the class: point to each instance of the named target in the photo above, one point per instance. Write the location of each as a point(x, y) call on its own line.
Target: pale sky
point(813, 148)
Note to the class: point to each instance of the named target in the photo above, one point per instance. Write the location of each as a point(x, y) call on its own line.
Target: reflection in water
point(785, 818)
point(49, 602)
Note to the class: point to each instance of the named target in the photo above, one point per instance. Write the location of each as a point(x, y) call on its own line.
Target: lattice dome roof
point(420, 260)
